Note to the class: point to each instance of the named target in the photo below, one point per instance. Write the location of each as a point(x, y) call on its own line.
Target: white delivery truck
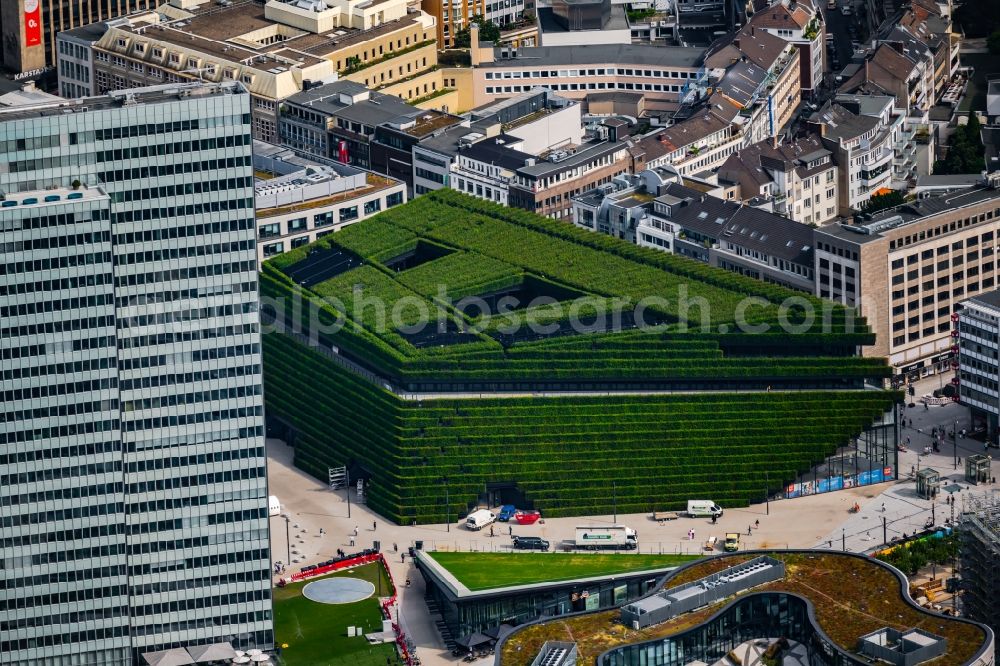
point(611, 537)
point(477, 520)
point(703, 509)
point(273, 506)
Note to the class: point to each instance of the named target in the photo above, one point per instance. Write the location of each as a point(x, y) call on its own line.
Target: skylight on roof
point(719, 220)
point(702, 215)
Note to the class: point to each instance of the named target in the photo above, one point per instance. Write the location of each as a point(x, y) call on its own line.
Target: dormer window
point(140, 48)
point(122, 42)
point(175, 59)
point(157, 53)
point(247, 78)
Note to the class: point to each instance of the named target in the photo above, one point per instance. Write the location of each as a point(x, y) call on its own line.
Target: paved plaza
point(817, 520)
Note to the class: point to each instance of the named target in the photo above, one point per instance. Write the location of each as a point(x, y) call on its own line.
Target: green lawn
point(483, 571)
point(316, 634)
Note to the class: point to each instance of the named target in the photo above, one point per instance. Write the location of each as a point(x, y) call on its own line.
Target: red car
point(527, 517)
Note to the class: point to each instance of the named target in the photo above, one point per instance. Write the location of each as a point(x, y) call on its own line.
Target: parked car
point(477, 520)
point(530, 543)
point(507, 512)
point(703, 508)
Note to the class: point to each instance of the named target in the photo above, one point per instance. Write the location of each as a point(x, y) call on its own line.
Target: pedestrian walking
point(749, 530)
point(374, 525)
point(883, 507)
point(692, 535)
point(491, 530)
point(756, 523)
point(355, 531)
point(510, 529)
point(352, 541)
point(395, 547)
point(402, 557)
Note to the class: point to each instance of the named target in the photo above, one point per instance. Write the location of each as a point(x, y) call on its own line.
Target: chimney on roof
point(774, 141)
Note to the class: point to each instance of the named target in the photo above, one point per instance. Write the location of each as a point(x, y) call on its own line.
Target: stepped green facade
point(719, 435)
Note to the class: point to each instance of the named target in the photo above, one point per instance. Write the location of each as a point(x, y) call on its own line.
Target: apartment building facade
point(977, 333)
point(802, 24)
point(907, 269)
point(726, 234)
point(797, 179)
point(299, 200)
point(861, 133)
point(134, 473)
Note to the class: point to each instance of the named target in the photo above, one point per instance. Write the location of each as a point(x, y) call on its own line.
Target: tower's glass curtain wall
point(133, 500)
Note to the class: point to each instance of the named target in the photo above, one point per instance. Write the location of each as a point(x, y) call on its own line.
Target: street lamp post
point(447, 505)
point(288, 540)
point(767, 493)
point(954, 441)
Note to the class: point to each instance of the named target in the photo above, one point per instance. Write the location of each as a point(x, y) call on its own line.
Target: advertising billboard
point(32, 23)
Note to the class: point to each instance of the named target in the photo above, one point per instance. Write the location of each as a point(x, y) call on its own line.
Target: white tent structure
point(211, 652)
point(171, 657)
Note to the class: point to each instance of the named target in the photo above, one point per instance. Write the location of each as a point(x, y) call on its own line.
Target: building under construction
point(980, 558)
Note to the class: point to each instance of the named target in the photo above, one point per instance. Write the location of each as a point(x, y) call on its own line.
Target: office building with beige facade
point(275, 48)
point(28, 28)
point(907, 269)
point(664, 75)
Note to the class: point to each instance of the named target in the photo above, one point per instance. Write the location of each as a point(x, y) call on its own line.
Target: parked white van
point(703, 508)
point(477, 520)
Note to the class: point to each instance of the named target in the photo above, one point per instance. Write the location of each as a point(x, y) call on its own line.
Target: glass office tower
point(133, 490)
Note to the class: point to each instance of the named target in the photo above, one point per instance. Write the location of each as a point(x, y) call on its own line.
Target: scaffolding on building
point(980, 557)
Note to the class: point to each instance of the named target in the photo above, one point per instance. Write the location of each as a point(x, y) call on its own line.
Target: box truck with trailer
point(609, 537)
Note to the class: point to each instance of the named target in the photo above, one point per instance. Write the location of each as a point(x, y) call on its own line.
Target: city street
point(836, 24)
